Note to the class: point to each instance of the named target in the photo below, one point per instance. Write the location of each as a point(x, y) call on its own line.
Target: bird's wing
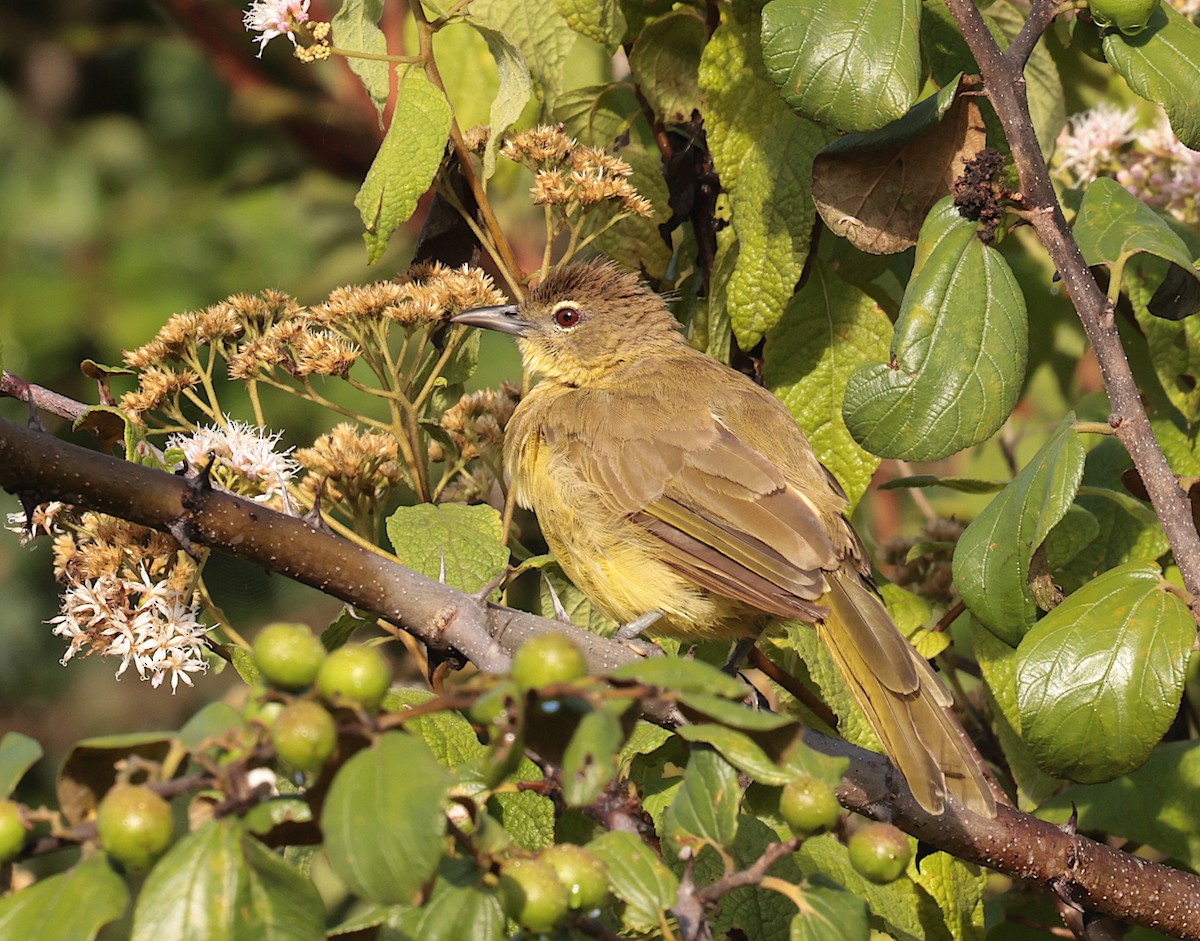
point(725, 514)
point(729, 520)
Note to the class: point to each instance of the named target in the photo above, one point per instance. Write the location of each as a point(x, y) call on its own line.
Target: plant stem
point(1004, 83)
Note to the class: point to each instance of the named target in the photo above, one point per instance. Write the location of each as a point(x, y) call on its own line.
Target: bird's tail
point(905, 702)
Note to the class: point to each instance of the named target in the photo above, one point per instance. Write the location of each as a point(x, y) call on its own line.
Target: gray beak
point(504, 319)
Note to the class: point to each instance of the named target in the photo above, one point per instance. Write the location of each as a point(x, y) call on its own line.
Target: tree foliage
point(852, 202)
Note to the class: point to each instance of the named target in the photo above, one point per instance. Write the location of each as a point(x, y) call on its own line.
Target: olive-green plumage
point(665, 481)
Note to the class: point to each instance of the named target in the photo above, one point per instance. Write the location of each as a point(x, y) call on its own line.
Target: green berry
point(1129, 16)
point(809, 806)
point(12, 830)
point(135, 825)
point(355, 675)
point(581, 871)
point(289, 655)
point(532, 894)
point(304, 735)
point(879, 852)
point(547, 659)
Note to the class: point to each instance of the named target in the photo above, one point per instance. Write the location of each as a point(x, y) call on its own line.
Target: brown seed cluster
point(258, 335)
point(477, 421)
point(351, 466)
point(571, 175)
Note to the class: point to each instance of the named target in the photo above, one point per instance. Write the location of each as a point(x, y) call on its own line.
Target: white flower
point(146, 624)
point(1092, 138)
point(44, 518)
point(273, 18)
point(247, 450)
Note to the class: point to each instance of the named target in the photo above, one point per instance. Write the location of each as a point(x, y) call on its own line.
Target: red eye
point(567, 316)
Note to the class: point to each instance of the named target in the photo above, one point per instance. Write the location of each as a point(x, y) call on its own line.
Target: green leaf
point(1106, 666)
point(750, 911)
point(680, 674)
point(459, 908)
point(542, 35)
point(875, 189)
point(1114, 226)
point(72, 906)
point(993, 556)
point(407, 160)
point(705, 809)
point(637, 877)
point(961, 484)
point(958, 888)
point(528, 817)
point(246, 666)
point(90, 768)
point(1162, 64)
point(958, 356)
point(356, 27)
point(219, 883)
point(735, 714)
point(18, 753)
point(469, 538)
point(998, 664)
point(212, 720)
point(1127, 531)
point(1154, 806)
point(739, 749)
point(1071, 535)
point(830, 913)
point(852, 66)
point(764, 155)
point(599, 20)
point(829, 329)
point(449, 736)
point(516, 89)
point(590, 760)
point(383, 820)
point(665, 62)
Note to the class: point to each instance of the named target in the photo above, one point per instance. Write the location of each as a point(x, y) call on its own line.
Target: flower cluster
point(240, 458)
point(1150, 162)
point(429, 293)
point(924, 564)
point(130, 593)
point(476, 423)
point(351, 467)
point(271, 18)
point(571, 175)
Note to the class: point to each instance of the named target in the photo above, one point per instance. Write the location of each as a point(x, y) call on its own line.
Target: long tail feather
point(903, 699)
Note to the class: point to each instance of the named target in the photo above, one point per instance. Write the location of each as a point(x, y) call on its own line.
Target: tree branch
point(1099, 878)
point(1004, 83)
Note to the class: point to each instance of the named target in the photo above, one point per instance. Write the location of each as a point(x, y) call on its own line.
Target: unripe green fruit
point(809, 806)
point(879, 852)
point(547, 659)
point(289, 655)
point(532, 894)
point(12, 830)
point(581, 871)
point(355, 675)
point(1129, 16)
point(135, 825)
point(304, 735)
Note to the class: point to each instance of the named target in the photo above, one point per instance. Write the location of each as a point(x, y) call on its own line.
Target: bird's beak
point(503, 318)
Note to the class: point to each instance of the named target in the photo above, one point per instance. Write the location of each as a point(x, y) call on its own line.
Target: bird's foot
point(627, 634)
point(741, 650)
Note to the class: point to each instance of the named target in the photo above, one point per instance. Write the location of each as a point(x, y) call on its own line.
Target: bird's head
point(582, 322)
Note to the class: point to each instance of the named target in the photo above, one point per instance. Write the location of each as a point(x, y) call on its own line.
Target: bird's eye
point(567, 316)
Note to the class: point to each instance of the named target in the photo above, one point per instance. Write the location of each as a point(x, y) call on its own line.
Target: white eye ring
point(566, 315)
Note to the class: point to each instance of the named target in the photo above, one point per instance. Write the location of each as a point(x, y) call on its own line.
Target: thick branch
point(1099, 878)
point(439, 615)
point(1004, 82)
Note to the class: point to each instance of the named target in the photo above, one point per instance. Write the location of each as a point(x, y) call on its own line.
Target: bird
point(667, 482)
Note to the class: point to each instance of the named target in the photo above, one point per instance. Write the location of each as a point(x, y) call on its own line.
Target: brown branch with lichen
point(1004, 85)
point(1096, 877)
